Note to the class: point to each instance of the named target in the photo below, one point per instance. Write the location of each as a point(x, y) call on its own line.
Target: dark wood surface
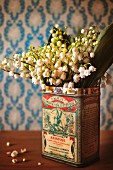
point(31, 140)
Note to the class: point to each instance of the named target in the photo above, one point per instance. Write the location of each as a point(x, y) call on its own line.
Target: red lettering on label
point(57, 138)
point(72, 139)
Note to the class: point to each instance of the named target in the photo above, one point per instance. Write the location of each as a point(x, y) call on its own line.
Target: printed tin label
point(60, 114)
point(70, 128)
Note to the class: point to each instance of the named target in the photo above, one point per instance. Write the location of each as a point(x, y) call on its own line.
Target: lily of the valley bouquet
point(65, 61)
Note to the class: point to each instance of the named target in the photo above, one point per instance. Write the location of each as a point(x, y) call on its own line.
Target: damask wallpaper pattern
point(28, 22)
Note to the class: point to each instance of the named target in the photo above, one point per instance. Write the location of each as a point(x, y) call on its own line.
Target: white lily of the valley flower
point(92, 68)
point(34, 80)
point(65, 60)
point(53, 40)
point(81, 69)
point(48, 46)
point(52, 81)
point(51, 31)
point(58, 64)
point(74, 49)
point(71, 85)
point(86, 60)
point(43, 68)
point(46, 74)
point(59, 43)
point(53, 35)
point(23, 54)
point(80, 57)
point(71, 63)
point(5, 61)
point(13, 69)
point(11, 73)
point(74, 59)
point(63, 45)
point(39, 70)
point(57, 52)
point(56, 26)
point(82, 31)
point(46, 70)
point(16, 56)
point(58, 82)
point(48, 55)
point(92, 54)
point(75, 54)
point(76, 78)
point(17, 64)
point(82, 75)
point(23, 75)
point(65, 85)
point(30, 60)
point(41, 81)
point(28, 75)
point(83, 49)
point(60, 69)
point(6, 68)
point(63, 76)
point(74, 68)
point(38, 77)
point(53, 49)
point(86, 44)
point(39, 62)
point(55, 73)
point(43, 86)
point(22, 59)
point(16, 76)
point(85, 54)
point(30, 68)
point(89, 49)
point(62, 55)
point(87, 72)
point(53, 59)
point(83, 39)
point(9, 64)
point(65, 68)
point(60, 37)
point(47, 61)
point(33, 73)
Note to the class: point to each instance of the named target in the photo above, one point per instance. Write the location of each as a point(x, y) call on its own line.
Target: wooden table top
point(31, 140)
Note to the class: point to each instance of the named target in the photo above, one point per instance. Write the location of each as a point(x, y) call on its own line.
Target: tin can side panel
point(90, 127)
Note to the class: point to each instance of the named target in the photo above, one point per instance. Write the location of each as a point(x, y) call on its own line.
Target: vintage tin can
point(70, 131)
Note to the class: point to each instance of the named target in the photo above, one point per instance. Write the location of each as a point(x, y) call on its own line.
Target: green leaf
point(103, 57)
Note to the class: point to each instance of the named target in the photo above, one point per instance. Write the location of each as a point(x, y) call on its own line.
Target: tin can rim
point(71, 91)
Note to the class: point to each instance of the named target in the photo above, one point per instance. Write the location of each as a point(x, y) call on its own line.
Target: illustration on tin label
point(59, 115)
point(57, 121)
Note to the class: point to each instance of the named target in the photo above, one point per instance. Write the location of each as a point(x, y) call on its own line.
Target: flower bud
point(76, 78)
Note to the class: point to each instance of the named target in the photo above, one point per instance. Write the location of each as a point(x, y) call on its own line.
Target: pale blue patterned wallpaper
point(27, 22)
